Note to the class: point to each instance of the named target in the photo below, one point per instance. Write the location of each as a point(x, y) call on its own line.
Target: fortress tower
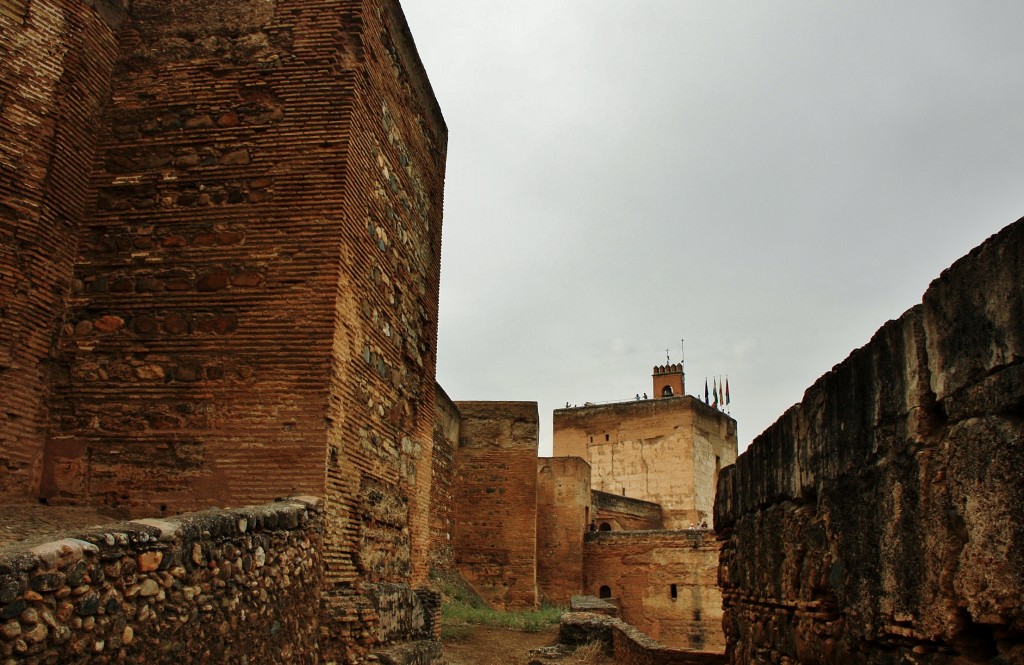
point(669, 380)
point(664, 451)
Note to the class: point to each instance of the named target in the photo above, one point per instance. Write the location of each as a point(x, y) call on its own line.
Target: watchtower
point(669, 380)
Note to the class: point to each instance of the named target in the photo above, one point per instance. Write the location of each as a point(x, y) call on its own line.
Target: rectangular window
point(673, 591)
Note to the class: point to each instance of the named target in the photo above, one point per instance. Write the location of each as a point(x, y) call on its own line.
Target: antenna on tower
point(682, 348)
point(667, 361)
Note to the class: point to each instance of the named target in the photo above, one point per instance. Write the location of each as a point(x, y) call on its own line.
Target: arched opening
point(605, 526)
point(605, 592)
point(666, 391)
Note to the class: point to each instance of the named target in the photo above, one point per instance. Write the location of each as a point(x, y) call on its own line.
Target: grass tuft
point(589, 653)
point(456, 613)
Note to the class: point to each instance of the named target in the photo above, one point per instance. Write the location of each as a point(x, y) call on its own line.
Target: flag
point(721, 397)
point(727, 399)
point(715, 393)
point(706, 400)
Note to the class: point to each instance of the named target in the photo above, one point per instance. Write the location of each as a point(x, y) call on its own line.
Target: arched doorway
point(605, 592)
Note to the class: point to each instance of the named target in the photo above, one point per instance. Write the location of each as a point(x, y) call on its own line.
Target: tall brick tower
point(220, 244)
point(669, 380)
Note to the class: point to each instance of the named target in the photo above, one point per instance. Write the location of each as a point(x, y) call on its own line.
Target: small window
point(605, 592)
point(605, 437)
point(673, 591)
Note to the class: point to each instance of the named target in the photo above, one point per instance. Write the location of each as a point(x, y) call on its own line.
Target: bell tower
point(669, 381)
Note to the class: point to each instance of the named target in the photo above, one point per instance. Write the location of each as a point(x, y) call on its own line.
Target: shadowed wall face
point(882, 518)
point(563, 516)
point(442, 483)
point(496, 501)
point(618, 513)
point(56, 57)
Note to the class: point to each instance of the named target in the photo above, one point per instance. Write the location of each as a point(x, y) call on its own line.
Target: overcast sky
point(771, 181)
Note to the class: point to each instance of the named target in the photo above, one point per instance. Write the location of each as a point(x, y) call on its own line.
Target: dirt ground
point(494, 646)
point(23, 525)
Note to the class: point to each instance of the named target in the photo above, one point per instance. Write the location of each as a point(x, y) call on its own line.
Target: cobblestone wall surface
point(220, 586)
point(56, 57)
point(881, 520)
point(496, 502)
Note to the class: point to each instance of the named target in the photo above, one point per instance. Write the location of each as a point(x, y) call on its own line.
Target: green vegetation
point(462, 609)
point(454, 614)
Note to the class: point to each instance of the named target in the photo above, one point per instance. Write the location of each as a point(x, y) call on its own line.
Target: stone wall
point(56, 57)
point(665, 583)
point(563, 516)
point(248, 240)
point(442, 484)
point(881, 520)
point(221, 586)
point(628, 645)
point(496, 502)
point(666, 451)
point(622, 513)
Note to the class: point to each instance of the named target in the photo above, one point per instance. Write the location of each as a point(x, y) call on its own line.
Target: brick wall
point(626, 644)
point(442, 485)
point(882, 518)
point(56, 57)
point(665, 583)
point(253, 308)
point(496, 501)
point(198, 334)
point(624, 514)
point(563, 516)
point(657, 450)
point(382, 390)
point(224, 586)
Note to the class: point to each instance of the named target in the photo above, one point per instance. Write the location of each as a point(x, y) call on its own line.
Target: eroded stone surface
point(881, 520)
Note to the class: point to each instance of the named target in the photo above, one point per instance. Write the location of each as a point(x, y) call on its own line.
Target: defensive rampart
point(663, 583)
point(496, 501)
point(881, 520)
point(220, 248)
point(614, 512)
point(628, 645)
point(221, 586)
point(563, 516)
